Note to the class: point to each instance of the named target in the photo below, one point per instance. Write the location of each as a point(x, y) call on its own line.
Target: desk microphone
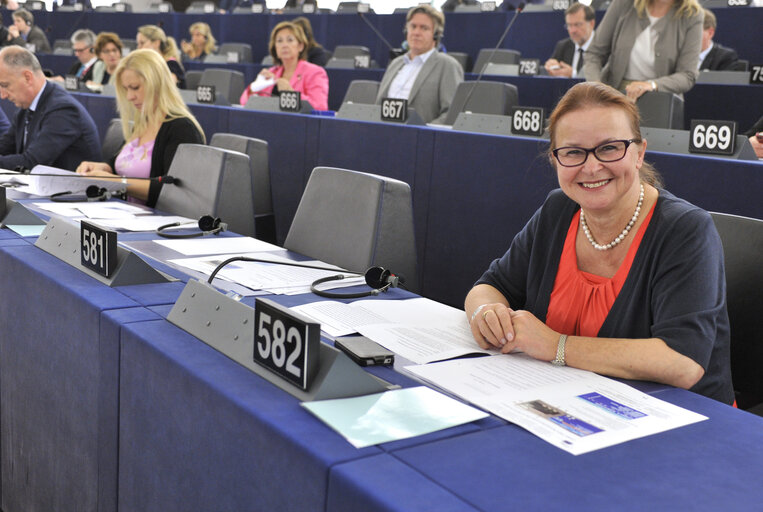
point(378, 278)
point(520, 7)
point(393, 52)
point(92, 193)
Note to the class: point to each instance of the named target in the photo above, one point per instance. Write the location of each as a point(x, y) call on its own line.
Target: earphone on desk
point(208, 225)
point(378, 278)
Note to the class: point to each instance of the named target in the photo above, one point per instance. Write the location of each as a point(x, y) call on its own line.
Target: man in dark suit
point(425, 77)
point(51, 127)
point(714, 56)
point(567, 59)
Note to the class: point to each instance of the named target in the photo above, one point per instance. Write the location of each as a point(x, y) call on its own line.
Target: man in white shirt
point(567, 59)
point(425, 77)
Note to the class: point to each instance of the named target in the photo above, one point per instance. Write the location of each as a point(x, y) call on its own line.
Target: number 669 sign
point(714, 137)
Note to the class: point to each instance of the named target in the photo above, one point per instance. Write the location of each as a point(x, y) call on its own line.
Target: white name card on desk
point(575, 410)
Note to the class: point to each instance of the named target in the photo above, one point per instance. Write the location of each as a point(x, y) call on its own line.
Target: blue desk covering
point(58, 385)
point(709, 466)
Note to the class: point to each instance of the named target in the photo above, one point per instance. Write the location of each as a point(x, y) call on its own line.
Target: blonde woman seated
point(292, 72)
point(202, 42)
point(154, 122)
point(152, 37)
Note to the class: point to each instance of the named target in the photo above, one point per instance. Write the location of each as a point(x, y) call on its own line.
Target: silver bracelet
point(560, 352)
point(476, 312)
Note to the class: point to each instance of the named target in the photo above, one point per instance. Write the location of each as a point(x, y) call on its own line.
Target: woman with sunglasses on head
point(613, 274)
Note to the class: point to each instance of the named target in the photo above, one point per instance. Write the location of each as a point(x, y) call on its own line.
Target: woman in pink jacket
point(292, 72)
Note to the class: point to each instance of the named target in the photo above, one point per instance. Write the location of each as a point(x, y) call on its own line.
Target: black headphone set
point(378, 278)
point(208, 225)
point(92, 193)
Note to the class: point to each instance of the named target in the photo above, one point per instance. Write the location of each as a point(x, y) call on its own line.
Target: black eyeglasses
point(611, 151)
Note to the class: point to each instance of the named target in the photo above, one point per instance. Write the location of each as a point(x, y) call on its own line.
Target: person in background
point(647, 45)
point(88, 67)
point(567, 59)
point(425, 77)
point(714, 56)
point(25, 33)
point(613, 274)
point(155, 121)
point(202, 43)
point(755, 133)
point(51, 127)
point(292, 72)
point(154, 38)
point(299, 4)
point(108, 48)
point(450, 5)
point(316, 54)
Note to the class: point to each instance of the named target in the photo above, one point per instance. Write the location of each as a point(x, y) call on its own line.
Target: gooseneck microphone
point(520, 7)
point(393, 52)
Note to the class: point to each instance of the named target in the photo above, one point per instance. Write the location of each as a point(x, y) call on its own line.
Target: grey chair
point(464, 59)
point(356, 220)
point(742, 239)
point(161, 7)
point(113, 139)
point(216, 58)
point(129, 44)
point(259, 163)
point(661, 110)
point(243, 51)
point(487, 98)
point(352, 8)
point(501, 56)
point(362, 91)
point(214, 182)
point(201, 7)
point(106, 8)
point(350, 51)
point(227, 82)
point(122, 7)
point(192, 78)
point(267, 60)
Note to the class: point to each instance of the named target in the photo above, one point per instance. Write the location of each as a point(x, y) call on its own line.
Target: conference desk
point(104, 405)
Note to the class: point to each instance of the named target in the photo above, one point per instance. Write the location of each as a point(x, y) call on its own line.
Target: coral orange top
point(580, 301)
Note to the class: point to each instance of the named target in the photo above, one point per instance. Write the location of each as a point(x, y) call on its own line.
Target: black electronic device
point(92, 193)
point(208, 225)
point(286, 343)
point(364, 351)
point(98, 249)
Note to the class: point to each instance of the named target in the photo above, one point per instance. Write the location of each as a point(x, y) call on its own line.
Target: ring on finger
point(485, 313)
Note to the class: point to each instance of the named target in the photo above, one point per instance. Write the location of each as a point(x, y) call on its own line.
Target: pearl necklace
point(619, 238)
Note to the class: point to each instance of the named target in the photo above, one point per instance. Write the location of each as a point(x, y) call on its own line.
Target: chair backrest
point(33, 5)
point(350, 51)
point(468, 8)
point(742, 239)
point(362, 91)
point(62, 43)
point(192, 77)
point(214, 182)
point(227, 82)
point(661, 110)
point(243, 52)
point(488, 98)
point(130, 44)
point(352, 7)
point(216, 58)
point(335, 63)
point(161, 7)
point(113, 139)
point(464, 59)
point(106, 8)
point(267, 60)
point(123, 7)
point(259, 163)
point(356, 220)
point(201, 7)
point(501, 56)
point(724, 77)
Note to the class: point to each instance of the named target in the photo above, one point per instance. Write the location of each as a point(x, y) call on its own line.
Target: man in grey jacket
point(425, 77)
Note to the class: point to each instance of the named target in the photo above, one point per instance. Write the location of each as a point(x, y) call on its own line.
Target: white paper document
point(575, 410)
point(93, 210)
point(218, 245)
point(48, 185)
point(420, 330)
point(261, 83)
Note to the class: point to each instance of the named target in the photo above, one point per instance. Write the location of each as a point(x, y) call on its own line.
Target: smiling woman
point(613, 274)
point(155, 121)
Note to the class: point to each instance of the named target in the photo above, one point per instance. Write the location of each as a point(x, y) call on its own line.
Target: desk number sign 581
point(98, 249)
